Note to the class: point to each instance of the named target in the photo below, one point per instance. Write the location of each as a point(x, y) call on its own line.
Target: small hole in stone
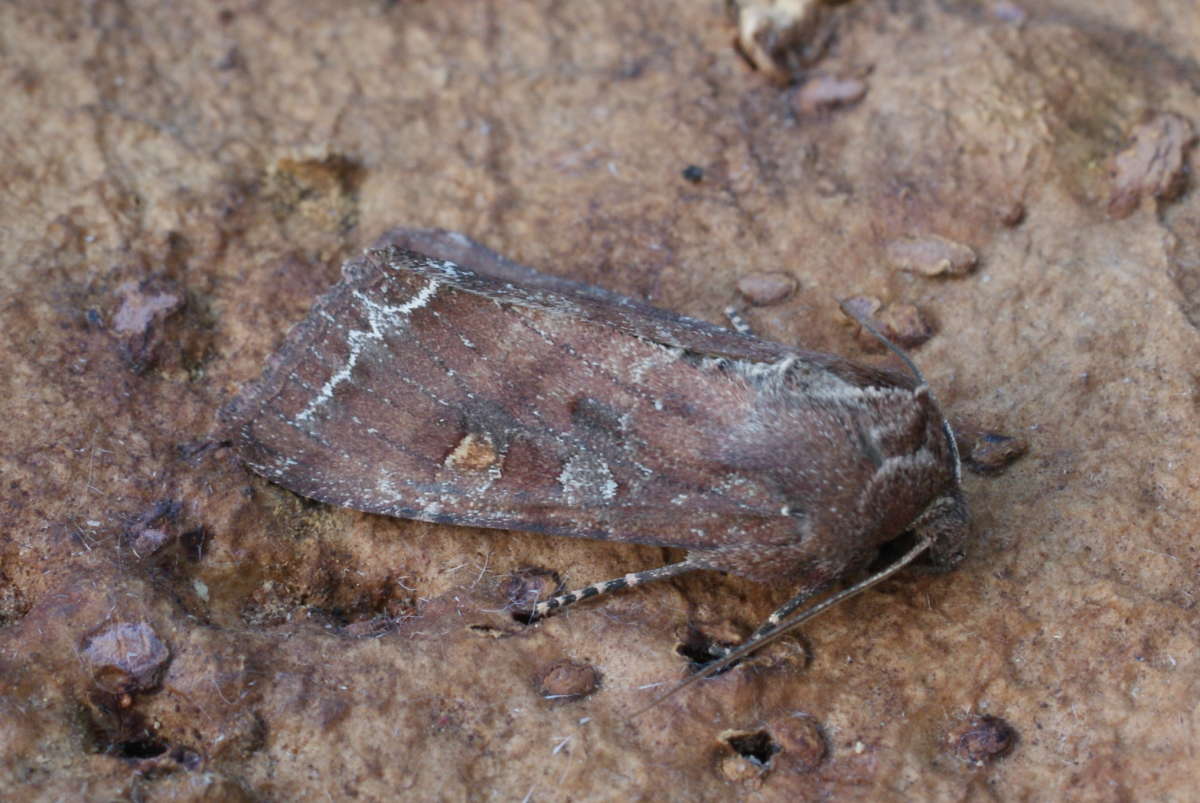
point(146, 747)
point(195, 543)
point(754, 746)
point(524, 588)
point(699, 649)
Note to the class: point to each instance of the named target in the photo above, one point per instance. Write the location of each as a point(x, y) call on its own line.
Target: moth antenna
point(754, 644)
point(916, 372)
point(884, 339)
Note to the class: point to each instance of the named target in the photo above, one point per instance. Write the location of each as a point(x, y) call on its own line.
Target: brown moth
point(495, 396)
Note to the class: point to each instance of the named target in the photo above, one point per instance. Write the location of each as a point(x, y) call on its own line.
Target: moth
point(496, 396)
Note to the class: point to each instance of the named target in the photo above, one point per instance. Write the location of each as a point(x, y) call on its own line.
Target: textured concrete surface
point(179, 182)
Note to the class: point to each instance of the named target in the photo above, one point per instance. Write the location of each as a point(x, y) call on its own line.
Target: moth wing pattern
point(421, 389)
point(604, 307)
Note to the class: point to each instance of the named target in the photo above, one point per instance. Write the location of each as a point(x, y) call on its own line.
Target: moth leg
point(737, 321)
point(630, 580)
point(766, 628)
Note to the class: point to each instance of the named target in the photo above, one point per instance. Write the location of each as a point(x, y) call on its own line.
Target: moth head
point(943, 523)
point(944, 526)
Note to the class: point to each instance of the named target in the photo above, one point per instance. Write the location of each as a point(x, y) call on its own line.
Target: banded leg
point(737, 321)
point(786, 624)
point(767, 627)
point(596, 589)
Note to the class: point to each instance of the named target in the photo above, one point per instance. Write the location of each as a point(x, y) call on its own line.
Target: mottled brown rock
point(126, 657)
point(740, 770)
point(147, 139)
point(761, 289)
point(982, 738)
point(905, 325)
point(992, 452)
point(202, 786)
point(153, 528)
point(320, 189)
point(865, 307)
point(931, 255)
point(1012, 214)
point(141, 306)
point(567, 680)
point(144, 305)
point(802, 745)
point(901, 323)
point(146, 541)
point(13, 604)
point(1006, 11)
point(1154, 165)
point(822, 92)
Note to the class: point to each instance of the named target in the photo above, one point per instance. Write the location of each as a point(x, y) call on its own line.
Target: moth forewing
point(424, 389)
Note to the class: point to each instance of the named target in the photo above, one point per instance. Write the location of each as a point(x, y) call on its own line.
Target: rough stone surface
point(567, 680)
point(825, 92)
point(766, 287)
point(901, 323)
point(197, 173)
point(992, 452)
point(982, 738)
point(931, 255)
point(125, 657)
point(1153, 166)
